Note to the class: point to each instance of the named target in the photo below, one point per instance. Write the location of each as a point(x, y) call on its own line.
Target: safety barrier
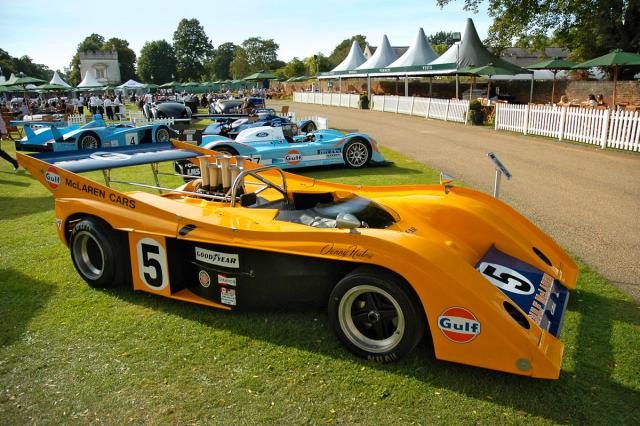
point(80, 119)
point(345, 100)
point(608, 129)
point(440, 109)
point(144, 122)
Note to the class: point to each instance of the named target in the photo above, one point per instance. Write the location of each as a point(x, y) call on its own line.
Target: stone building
point(103, 65)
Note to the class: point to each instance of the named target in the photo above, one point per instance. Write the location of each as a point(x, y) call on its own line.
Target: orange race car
point(391, 263)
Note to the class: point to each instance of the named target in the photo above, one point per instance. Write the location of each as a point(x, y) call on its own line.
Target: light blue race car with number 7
point(281, 145)
point(96, 134)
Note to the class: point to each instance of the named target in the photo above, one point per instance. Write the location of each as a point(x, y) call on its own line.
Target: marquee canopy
point(354, 59)
point(383, 56)
point(89, 81)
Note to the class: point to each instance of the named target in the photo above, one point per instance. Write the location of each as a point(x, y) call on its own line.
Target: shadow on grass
point(21, 297)
point(339, 171)
point(16, 207)
point(14, 183)
point(588, 394)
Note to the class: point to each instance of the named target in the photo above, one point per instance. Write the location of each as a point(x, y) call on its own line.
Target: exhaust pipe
point(204, 164)
point(224, 161)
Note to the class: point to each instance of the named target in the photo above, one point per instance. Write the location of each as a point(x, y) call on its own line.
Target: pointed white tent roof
point(420, 53)
point(354, 59)
point(89, 81)
point(131, 84)
point(58, 80)
point(383, 56)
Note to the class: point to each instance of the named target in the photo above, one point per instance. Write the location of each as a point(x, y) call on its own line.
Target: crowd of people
point(592, 101)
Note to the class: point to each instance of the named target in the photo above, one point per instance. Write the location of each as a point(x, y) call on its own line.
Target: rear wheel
point(96, 252)
point(357, 153)
point(309, 127)
point(375, 316)
point(162, 134)
point(89, 140)
point(226, 150)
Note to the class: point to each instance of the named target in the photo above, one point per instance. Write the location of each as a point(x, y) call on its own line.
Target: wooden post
point(605, 128)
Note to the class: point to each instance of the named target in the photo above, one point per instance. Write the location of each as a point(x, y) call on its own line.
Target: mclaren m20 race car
point(390, 263)
point(282, 146)
point(96, 134)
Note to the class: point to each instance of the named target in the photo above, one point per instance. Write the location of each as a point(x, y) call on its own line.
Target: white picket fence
point(80, 119)
point(609, 129)
point(441, 109)
point(144, 122)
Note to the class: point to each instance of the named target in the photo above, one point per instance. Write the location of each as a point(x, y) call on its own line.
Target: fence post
point(563, 116)
point(605, 129)
point(526, 119)
point(397, 103)
point(428, 107)
point(446, 113)
point(466, 116)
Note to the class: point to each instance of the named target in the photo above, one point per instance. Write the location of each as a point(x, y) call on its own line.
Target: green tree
point(126, 57)
point(295, 68)
point(341, 51)
point(442, 37)
point(322, 62)
point(93, 42)
point(25, 65)
point(157, 58)
point(218, 68)
point(193, 49)
point(261, 54)
point(440, 48)
point(240, 66)
point(587, 28)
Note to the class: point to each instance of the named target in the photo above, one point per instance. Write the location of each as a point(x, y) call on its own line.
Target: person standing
point(116, 106)
point(107, 108)
point(93, 104)
point(80, 105)
point(100, 106)
point(3, 135)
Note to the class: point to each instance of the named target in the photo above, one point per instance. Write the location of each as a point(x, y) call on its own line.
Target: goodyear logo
point(459, 325)
point(217, 258)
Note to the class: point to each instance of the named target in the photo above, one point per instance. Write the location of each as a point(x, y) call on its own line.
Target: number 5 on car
point(149, 263)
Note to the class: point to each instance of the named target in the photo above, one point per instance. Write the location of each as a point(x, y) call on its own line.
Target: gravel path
point(587, 200)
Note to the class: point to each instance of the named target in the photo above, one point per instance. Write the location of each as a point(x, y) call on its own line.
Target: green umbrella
point(490, 70)
point(554, 65)
point(260, 76)
point(467, 71)
point(292, 79)
point(171, 84)
point(149, 86)
point(616, 59)
point(192, 84)
point(23, 81)
point(10, 88)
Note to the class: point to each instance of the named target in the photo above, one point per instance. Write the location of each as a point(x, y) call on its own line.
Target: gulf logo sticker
point(293, 157)
point(459, 325)
point(53, 177)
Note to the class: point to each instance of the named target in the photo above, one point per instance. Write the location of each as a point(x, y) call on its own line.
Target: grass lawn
point(70, 354)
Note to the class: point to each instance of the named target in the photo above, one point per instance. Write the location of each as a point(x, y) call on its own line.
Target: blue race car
point(262, 117)
point(279, 145)
point(96, 134)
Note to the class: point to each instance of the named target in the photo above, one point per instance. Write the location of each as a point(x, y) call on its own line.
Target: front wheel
point(89, 140)
point(96, 252)
point(162, 134)
point(357, 153)
point(225, 150)
point(375, 316)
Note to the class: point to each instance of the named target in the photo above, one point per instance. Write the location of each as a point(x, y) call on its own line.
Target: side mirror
point(447, 181)
point(348, 221)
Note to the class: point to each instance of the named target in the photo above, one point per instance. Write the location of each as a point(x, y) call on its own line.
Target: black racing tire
point(356, 153)
point(376, 315)
point(89, 140)
point(162, 134)
point(97, 252)
point(310, 127)
point(226, 150)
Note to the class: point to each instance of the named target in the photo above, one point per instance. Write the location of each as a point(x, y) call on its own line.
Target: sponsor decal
point(506, 278)
point(152, 264)
point(293, 157)
point(262, 135)
point(100, 193)
point(224, 280)
point(114, 143)
point(205, 279)
point(53, 177)
point(110, 156)
point(59, 223)
point(353, 252)
point(227, 296)
point(106, 144)
point(217, 258)
point(542, 297)
point(459, 325)
point(330, 151)
point(411, 230)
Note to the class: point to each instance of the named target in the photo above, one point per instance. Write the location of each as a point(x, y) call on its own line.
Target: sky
point(49, 32)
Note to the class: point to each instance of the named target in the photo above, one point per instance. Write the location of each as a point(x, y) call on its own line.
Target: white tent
point(420, 53)
point(383, 56)
point(131, 84)
point(59, 81)
point(354, 59)
point(89, 81)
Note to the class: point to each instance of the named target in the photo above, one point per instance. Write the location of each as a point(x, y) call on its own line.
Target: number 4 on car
point(390, 264)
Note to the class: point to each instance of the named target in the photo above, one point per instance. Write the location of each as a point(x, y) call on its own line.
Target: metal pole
point(457, 66)
point(531, 95)
point(496, 191)
point(369, 87)
point(406, 85)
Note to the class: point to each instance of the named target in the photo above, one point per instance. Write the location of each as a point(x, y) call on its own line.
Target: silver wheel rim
point(353, 305)
point(89, 142)
point(357, 154)
point(86, 252)
point(162, 135)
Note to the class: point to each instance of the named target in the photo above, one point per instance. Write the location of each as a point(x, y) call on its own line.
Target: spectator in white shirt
point(93, 104)
point(107, 108)
point(80, 105)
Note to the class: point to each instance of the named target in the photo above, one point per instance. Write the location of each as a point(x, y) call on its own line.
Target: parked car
point(166, 109)
point(230, 106)
point(261, 117)
point(390, 264)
